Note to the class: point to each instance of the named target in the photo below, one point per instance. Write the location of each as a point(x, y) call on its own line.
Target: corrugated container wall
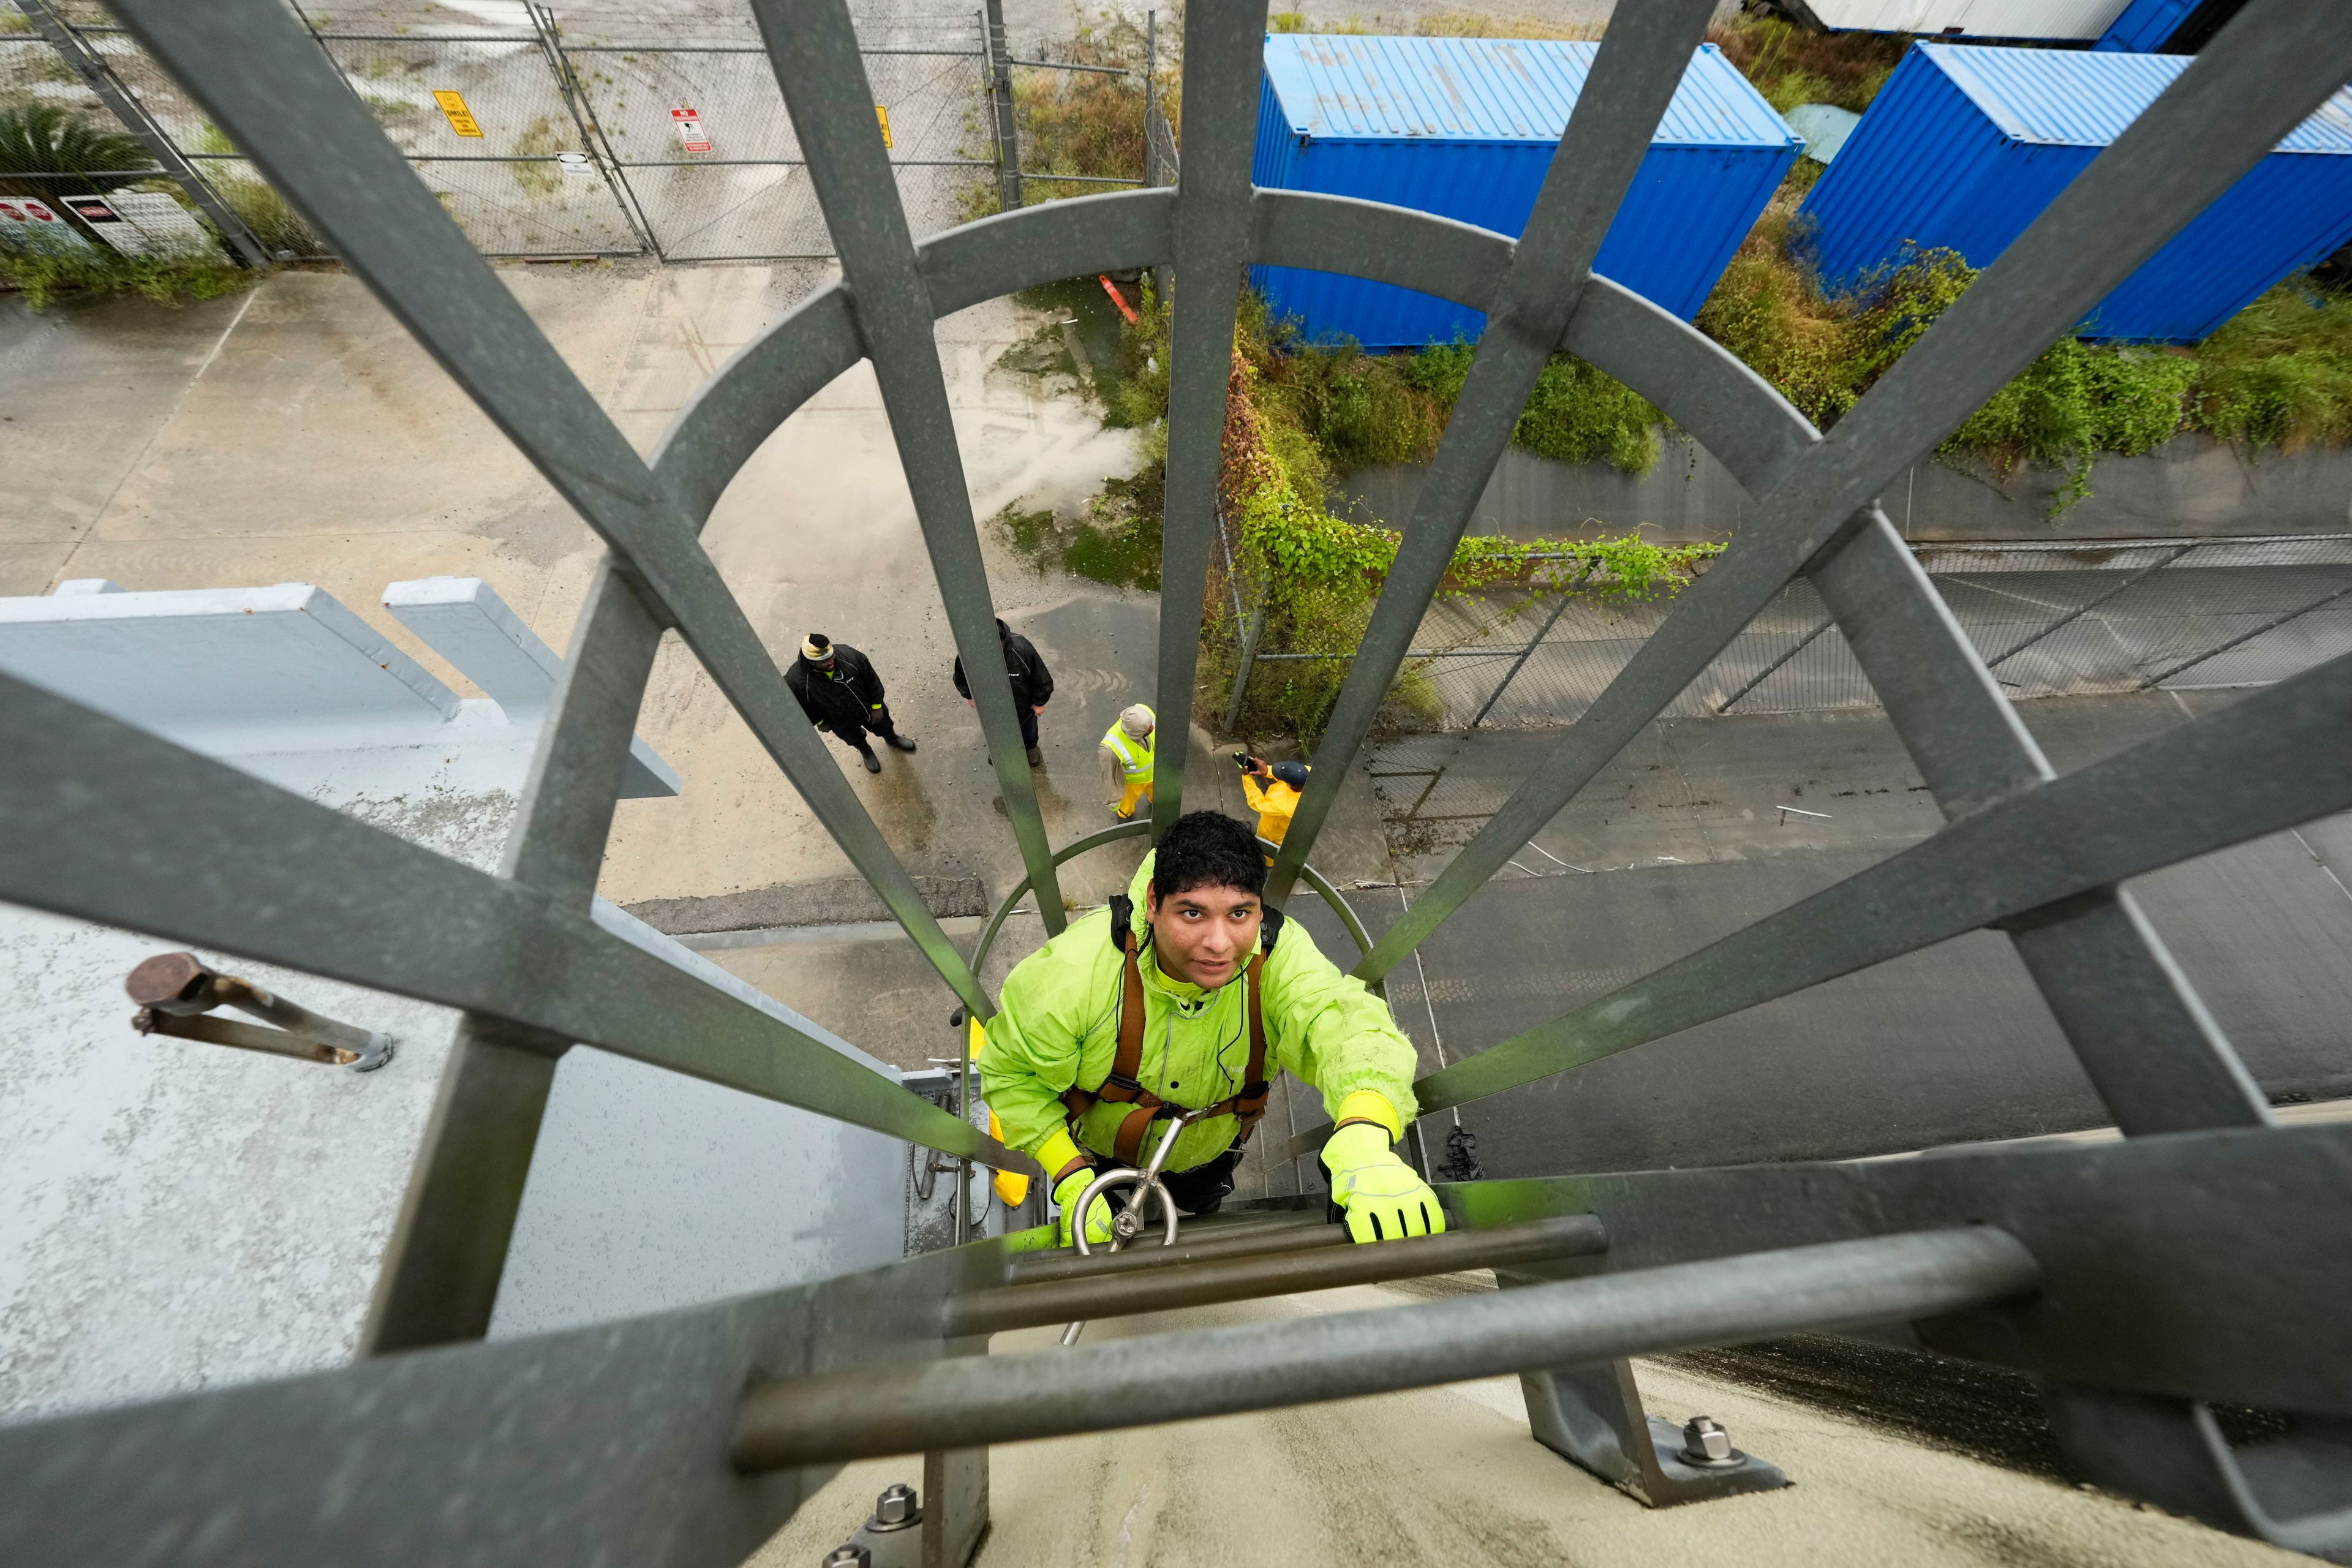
point(1465, 128)
point(1965, 145)
point(2145, 26)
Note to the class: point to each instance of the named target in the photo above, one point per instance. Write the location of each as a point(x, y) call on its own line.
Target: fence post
point(567, 82)
point(1150, 97)
point(1528, 652)
point(244, 248)
point(1249, 658)
point(1000, 93)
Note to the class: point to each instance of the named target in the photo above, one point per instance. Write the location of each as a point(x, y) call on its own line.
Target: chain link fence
point(572, 132)
point(2057, 619)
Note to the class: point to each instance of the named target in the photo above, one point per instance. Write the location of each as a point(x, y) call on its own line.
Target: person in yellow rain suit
point(1189, 994)
point(1126, 752)
point(1272, 790)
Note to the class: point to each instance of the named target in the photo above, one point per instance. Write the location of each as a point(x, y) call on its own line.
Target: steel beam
point(2199, 1265)
point(1641, 60)
point(2202, 1264)
point(1223, 50)
point(439, 1277)
point(1309, 1231)
point(813, 50)
point(2152, 1050)
point(1223, 1372)
point(1242, 1279)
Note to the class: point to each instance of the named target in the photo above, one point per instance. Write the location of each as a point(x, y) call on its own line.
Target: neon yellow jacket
point(1274, 802)
point(1059, 1026)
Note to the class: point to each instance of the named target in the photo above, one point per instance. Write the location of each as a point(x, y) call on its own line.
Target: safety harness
point(1121, 1087)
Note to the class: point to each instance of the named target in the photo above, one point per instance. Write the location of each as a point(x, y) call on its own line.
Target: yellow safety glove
point(1056, 1153)
point(1384, 1197)
point(1065, 1193)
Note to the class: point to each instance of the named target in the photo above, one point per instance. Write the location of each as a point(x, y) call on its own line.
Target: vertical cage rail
point(1212, 235)
point(1640, 64)
point(815, 53)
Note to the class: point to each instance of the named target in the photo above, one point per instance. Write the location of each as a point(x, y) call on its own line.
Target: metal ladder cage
point(2136, 1280)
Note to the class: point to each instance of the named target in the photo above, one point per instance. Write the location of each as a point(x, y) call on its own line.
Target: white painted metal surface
point(175, 1214)
point(2072, 19)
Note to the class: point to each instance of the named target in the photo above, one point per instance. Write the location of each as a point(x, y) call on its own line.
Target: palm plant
point(39, 139)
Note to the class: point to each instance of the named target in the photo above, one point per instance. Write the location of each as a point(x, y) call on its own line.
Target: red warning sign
point(690, 130)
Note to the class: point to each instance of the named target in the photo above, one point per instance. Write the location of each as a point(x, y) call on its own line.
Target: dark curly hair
point(1207, 850)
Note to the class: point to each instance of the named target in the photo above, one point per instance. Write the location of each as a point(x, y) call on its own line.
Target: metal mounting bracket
point(1592, 1416)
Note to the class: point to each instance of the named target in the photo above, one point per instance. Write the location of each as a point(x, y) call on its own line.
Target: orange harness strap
point(1121, 1087)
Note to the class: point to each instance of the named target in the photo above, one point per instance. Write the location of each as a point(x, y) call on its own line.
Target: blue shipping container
point(2145, 26)
point(1966, 145)
point(1465, 128)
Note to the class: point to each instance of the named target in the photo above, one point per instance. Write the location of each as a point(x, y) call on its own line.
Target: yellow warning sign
point(461, 119)
point(882, 115)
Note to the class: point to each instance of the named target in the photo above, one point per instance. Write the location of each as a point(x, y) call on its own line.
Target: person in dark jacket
point(1033, 684)
point(839, 691)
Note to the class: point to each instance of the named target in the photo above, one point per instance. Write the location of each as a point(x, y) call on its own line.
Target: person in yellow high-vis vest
point(1127, 761)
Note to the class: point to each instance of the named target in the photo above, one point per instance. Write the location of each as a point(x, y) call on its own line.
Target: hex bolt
point(895, 1509)
point(1704, 1442)
point(848, 1554)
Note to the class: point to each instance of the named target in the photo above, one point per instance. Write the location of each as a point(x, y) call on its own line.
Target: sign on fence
point(461, 119)
point(882, 115)
point(690, 130)
point(143, 223)
point(27, 225)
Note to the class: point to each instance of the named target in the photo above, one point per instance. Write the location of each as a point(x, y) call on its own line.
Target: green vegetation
point(2277, 375)
point(43, 278)
point(1790, 65)
point(540, 138)
point(1295, 414)
point(37, 138)
point(2279, 372)
point(1076, 123)
point(279, 227)
point(40, 136)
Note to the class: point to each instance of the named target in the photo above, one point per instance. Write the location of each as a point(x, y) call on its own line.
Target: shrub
point(163, 279)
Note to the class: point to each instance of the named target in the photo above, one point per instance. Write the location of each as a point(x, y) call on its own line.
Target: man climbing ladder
point(1189, 994)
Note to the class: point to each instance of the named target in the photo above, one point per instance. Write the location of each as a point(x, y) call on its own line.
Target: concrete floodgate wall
point(175, 1214)
point(2191, 486)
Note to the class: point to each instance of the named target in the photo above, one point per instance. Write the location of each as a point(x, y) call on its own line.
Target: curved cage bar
point(2138, 1280)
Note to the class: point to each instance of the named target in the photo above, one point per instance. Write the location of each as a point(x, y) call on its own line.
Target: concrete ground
point(1452, 1475)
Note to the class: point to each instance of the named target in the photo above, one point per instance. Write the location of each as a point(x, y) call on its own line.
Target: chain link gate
point(575, 134)
point(693, 126)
